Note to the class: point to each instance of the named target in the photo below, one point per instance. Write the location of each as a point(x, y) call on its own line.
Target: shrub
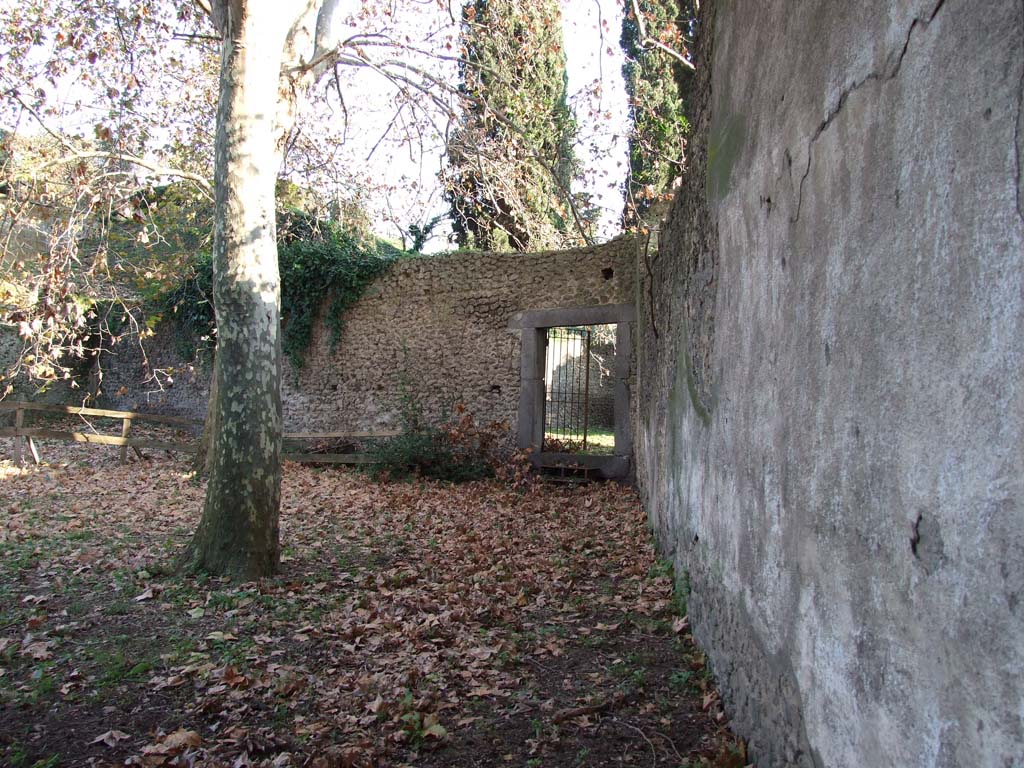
point(457, 450)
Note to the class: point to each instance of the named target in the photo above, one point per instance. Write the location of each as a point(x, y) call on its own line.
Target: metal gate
point(579, 398)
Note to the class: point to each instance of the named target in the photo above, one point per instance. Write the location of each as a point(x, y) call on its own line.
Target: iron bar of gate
point(567, 404)
point(569, 413)
point(586, 389)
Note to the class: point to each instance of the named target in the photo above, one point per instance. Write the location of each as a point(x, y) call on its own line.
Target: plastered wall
point(831, 379)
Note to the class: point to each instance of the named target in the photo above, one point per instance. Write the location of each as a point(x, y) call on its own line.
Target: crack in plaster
point(647, 260)
point(888, 73)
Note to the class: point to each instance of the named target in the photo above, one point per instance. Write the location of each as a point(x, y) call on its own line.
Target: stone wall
point(433, 329)
point(831, 423)
point(11, 350)
point(163, 374)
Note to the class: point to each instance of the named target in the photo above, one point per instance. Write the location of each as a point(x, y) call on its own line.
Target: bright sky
point(593, 55)
point(591, 31)
point(597, 94)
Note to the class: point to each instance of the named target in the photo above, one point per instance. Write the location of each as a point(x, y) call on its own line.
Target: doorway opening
point(555, 366)
point(579, 389)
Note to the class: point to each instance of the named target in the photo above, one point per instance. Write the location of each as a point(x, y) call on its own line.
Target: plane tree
point(123, 97)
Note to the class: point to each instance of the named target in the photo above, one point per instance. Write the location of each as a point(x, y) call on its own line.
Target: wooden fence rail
point(25, 436)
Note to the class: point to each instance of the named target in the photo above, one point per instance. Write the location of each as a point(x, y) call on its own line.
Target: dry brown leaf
point(110, 738)
point(40, 651)
point(173, 743)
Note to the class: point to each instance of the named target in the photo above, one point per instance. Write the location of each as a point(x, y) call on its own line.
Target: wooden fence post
point(126, 425)
point(19, 422)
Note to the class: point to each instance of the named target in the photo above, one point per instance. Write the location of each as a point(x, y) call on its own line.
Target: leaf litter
point(420, 624)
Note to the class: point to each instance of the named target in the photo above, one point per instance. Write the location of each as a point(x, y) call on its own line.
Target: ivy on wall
point(319, 263)
point(338, 268)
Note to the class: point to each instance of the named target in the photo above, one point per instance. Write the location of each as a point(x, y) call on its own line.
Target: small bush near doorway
point(458, 450)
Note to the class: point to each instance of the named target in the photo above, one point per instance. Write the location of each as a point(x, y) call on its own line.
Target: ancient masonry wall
point(432, 331)
point(831, 379)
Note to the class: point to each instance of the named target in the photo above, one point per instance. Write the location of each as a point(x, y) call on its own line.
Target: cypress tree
point(658, 86)
point(510, 160)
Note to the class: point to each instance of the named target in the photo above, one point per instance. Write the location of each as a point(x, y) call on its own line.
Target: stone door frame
point(534, 325)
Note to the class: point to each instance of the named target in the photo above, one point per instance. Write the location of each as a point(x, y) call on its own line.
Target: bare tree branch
point(160, 170)
point(650, 42)
point(205, 7)
point(188, 36)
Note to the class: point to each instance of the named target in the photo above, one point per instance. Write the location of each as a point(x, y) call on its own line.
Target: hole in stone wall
point(496, 389)
point(607, 273)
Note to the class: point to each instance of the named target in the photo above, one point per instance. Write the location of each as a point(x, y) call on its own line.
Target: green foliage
point(19, 759)
point(419, 234)
point(510, 161)
point(319, 263)
point(681, 595)
point(658, 86)
point(191, 303)
point(419, 726)
point(457, 451)
point(338, 267)
point(151, 242)
point(681, 679)
point(424, 450)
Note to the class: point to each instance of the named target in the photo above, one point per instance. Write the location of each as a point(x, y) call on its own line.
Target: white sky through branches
point(369, 144)
point(403, 173)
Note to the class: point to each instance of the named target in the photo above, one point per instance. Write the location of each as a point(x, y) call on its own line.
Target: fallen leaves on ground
point(412, 624)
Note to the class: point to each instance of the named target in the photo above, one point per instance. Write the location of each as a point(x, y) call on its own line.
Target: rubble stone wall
point(433, 330)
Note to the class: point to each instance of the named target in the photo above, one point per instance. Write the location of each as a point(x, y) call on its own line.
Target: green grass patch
point(600, 440)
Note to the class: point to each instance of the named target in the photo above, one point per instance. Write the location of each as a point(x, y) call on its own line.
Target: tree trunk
point(238, 533)
point(204, 456)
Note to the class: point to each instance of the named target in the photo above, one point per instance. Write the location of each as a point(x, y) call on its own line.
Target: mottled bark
point(203, 458)
point(238, 533)
point(272, 52)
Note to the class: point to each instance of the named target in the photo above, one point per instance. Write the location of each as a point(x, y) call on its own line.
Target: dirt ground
point(419, 624)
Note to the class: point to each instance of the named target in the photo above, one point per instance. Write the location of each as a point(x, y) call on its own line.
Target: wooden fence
point(25, 436)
